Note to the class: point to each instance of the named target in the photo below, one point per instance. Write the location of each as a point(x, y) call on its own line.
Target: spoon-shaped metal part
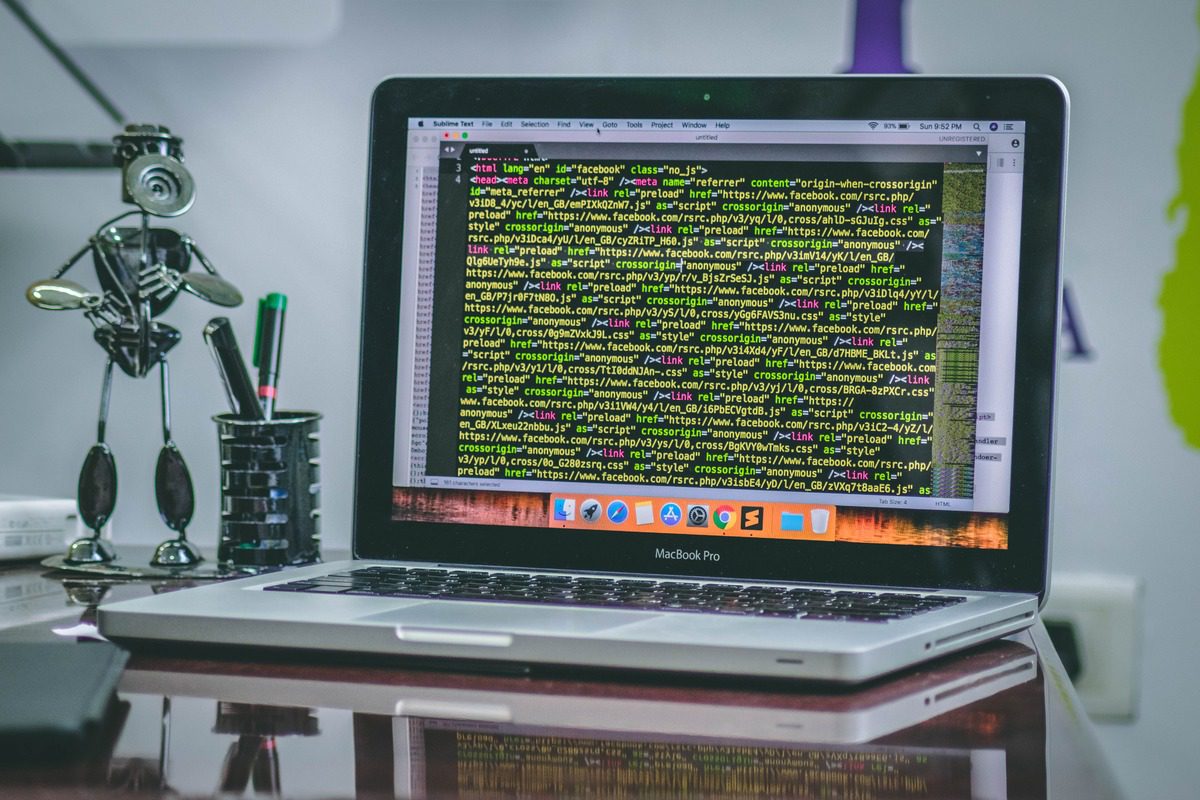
point(212, 288)
point(176, 502)
point(173, 488)
point(59, 294)
point(97, 494)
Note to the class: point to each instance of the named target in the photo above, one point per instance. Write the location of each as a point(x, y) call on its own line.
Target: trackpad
point(517, 619)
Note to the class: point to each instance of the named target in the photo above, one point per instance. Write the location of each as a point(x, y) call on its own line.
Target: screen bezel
point(1041, 102)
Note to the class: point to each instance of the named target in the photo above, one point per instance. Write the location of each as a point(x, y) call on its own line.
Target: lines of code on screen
point(767, 325)
point(468, 764)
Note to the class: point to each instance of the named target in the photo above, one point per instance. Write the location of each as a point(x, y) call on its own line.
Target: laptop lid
point(786, 328)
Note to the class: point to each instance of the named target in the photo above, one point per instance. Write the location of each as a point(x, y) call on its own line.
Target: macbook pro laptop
point(749, 376)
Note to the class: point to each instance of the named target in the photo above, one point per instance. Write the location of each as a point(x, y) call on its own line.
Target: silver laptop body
point(690, 338)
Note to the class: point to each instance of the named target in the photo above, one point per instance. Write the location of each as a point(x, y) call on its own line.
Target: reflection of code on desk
point(467, 764)
point(756, 325)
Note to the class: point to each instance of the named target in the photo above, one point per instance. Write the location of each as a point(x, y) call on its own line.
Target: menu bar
point(677, 125)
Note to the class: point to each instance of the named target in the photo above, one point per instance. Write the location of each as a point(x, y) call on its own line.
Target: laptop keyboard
point(650, 595)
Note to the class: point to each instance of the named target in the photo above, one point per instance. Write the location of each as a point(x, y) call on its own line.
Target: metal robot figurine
point(141, 270)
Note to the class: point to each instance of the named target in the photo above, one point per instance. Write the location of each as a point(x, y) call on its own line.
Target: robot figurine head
point(152, 173)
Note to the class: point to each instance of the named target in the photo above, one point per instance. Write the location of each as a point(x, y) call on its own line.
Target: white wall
point(276, 138)
point(1126, 490)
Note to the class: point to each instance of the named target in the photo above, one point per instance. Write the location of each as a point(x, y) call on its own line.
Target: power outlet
point(1105, 613)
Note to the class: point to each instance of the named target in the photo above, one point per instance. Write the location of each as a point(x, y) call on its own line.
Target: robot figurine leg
point(97, 492)
point(173, 491)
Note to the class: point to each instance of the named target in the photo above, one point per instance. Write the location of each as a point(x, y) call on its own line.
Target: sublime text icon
point(752, 518)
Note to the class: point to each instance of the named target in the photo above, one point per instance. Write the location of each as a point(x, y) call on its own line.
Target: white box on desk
point(31, 527)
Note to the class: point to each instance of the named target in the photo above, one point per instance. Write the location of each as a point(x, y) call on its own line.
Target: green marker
point(268, 341)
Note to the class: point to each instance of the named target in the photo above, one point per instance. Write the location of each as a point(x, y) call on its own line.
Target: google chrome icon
point(722, 516)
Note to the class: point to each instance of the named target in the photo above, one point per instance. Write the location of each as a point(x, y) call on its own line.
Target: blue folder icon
point(791, 521)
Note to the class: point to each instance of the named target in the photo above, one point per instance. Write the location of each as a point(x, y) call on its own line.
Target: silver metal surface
point(60, 294)
point(212, 288)
point(89, 550)
point(240, 613)
point(176, 553)
point(160, 185)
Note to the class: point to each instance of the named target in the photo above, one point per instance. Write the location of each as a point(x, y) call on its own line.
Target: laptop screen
point(749, 327)
point(787, 329)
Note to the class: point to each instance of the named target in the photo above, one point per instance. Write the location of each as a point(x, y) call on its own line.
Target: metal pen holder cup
point(270, 489)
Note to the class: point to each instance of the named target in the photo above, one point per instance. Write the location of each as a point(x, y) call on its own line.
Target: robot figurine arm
point(190, 244)
point(208, 285)
point(75, 258)
point(59, 294)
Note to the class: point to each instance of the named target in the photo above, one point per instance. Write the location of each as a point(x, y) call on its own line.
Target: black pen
point(268, 341)
point(238, 388)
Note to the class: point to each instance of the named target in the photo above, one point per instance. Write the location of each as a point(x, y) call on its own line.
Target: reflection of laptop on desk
point(434, 734)
point(743, 376)
point(839, 717)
